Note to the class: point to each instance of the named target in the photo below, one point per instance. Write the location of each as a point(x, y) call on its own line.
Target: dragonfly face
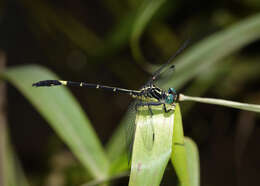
point(172, 96)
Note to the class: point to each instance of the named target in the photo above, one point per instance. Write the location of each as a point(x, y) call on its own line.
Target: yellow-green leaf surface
point(185, 156)
point(64, 114)
point(192, 161)
point(152, 146)
point(179, 155)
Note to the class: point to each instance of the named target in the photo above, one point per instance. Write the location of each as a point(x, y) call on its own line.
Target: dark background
point(35, 32)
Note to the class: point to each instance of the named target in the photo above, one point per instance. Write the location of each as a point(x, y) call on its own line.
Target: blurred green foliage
point(120, 43)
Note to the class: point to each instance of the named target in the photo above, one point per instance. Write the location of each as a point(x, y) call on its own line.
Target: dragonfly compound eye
point(170, 99)
point(172, 90)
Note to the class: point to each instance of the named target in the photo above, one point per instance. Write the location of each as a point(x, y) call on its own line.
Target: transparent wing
point(130, 129)
point(167, 65)
point(147, 127)
point(145, 120)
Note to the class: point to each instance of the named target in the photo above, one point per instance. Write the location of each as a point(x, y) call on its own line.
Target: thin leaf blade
point(212, 49)
point(64, 114)
point(179, 154)
point(222, 102)
point(185, 155)
point(144, 15)
point(193, 161)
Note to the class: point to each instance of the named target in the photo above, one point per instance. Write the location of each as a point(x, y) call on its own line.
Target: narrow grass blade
point(179, 154)
point(113, 146)
point(118, 147)
point(64, 114)
point(51, 20)
point(192, 161)
point(146, 12)
point(148, 164)
point(212, 49)
point(11, 173)
point(13, 170)
point(222, 102)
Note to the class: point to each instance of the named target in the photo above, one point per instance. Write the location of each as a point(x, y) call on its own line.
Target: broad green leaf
point(64, 114)
point(152, 146)
point(222, 102)
point(179, 154)
point(193, 161)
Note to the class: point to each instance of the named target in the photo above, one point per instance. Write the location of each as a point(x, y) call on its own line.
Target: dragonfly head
point(172, 96)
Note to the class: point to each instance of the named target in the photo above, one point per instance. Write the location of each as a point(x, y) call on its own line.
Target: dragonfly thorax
point(152, 93)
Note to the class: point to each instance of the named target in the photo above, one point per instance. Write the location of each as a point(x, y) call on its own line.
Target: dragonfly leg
point(165, 109)
point(137, 105)
point(150, 110)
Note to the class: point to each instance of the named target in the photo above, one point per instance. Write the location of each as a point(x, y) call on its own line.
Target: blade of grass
point(113, 147)
point(207, 80)
point(222, 102)
point(146, 12)
point(193, 162)
point(13, 170)
point(150, 158)
point(11, 173)
point(212, 49)
point(64, 114)
point(179, 154)
point(246, 69)
point(118, 152)
point(50, 20)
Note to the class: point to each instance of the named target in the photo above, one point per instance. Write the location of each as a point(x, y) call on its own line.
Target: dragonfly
point(148, 95)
